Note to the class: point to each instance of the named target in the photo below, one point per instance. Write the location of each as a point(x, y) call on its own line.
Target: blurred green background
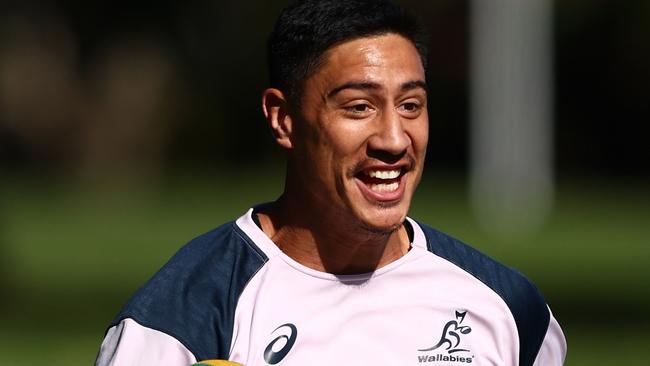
point(127, 128)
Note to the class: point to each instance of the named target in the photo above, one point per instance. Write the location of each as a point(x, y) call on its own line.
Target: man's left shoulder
point(502, 279)
point(522, 297)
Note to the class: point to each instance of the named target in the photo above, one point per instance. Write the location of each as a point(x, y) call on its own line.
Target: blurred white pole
point(511, 117)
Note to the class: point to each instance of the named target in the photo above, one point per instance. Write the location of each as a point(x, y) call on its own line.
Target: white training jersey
point(232, 294)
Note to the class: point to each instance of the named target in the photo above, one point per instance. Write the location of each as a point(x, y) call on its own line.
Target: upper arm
point(129, 343)
point(553, 349)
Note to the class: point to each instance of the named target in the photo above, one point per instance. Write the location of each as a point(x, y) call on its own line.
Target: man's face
point(360, 142)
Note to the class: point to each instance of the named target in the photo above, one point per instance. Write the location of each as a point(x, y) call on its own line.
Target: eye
point(358, 110)
point(410, 108)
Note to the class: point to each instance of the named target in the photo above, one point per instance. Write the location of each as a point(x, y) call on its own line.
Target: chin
point(384, 220)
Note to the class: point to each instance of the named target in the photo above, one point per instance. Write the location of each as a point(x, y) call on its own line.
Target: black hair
point(306, 30)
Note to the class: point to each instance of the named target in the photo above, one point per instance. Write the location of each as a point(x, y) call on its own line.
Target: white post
point(511, 155)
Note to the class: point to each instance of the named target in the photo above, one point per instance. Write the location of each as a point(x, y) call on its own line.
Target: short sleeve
point(553, 349)
point(129, 344)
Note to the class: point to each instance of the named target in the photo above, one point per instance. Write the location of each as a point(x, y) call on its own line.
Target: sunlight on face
point(359, 147)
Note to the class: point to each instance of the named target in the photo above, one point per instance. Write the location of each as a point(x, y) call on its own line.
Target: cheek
point(312, 145)
point(344, 140)
point(324, 153)
point(419, 134)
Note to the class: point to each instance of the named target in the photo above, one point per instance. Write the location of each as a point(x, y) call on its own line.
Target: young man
point(334, 272)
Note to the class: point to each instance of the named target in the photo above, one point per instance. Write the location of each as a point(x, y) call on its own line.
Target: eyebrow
point(367, 85)
point(357, 85)
point(415, 84)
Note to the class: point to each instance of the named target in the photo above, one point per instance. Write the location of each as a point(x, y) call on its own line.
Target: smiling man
point(356, 150)
point(334, 272)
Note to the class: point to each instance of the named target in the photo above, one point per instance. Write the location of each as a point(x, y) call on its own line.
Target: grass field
point(71, 254)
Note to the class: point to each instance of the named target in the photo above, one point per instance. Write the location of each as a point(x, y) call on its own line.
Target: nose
point(390, 140)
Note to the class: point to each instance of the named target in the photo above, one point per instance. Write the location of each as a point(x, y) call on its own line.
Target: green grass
point(70, 255)
point(62, 348)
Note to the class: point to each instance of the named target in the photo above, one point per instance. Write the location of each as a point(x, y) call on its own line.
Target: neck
point(325, 241)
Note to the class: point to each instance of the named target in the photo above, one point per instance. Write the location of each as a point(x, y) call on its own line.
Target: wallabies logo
point(451, 333)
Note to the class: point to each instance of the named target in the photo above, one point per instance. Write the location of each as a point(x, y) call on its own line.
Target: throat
point(364, 257)
point(330, 253)
point(344, 249)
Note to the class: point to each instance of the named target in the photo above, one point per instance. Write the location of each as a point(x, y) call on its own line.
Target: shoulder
point(522, 297)
point(196, 292)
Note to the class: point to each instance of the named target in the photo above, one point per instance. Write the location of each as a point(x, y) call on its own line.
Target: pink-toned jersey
point(232, 294)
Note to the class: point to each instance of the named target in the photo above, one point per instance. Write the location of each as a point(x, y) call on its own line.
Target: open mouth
point(385, 184)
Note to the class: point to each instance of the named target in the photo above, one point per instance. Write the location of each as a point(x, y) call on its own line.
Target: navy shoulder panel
point(526, 304)
point(193, 297)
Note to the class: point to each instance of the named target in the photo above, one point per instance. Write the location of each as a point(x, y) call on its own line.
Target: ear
point(276, 110)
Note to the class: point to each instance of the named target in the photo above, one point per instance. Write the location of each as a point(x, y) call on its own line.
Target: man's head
point(304, 31)
point(357, 138)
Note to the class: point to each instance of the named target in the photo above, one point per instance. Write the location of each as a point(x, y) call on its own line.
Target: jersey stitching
point(158, 329)
point(249, 242)
point(512, 315)
point(264, 259)
point(477, 279)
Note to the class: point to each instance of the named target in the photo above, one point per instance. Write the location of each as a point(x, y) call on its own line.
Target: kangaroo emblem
point(450, 335)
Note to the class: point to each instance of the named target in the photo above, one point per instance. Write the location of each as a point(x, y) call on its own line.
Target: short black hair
point(305, 30)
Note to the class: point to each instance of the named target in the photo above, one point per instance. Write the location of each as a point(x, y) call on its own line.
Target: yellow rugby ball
point(216, 363)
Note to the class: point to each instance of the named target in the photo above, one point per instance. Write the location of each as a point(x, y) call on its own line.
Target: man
point(333, 272)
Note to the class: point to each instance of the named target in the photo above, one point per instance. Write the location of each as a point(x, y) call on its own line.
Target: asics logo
point(272, 357)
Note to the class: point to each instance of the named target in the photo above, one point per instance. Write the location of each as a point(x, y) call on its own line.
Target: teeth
point(383, 174)
point(384, 187)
